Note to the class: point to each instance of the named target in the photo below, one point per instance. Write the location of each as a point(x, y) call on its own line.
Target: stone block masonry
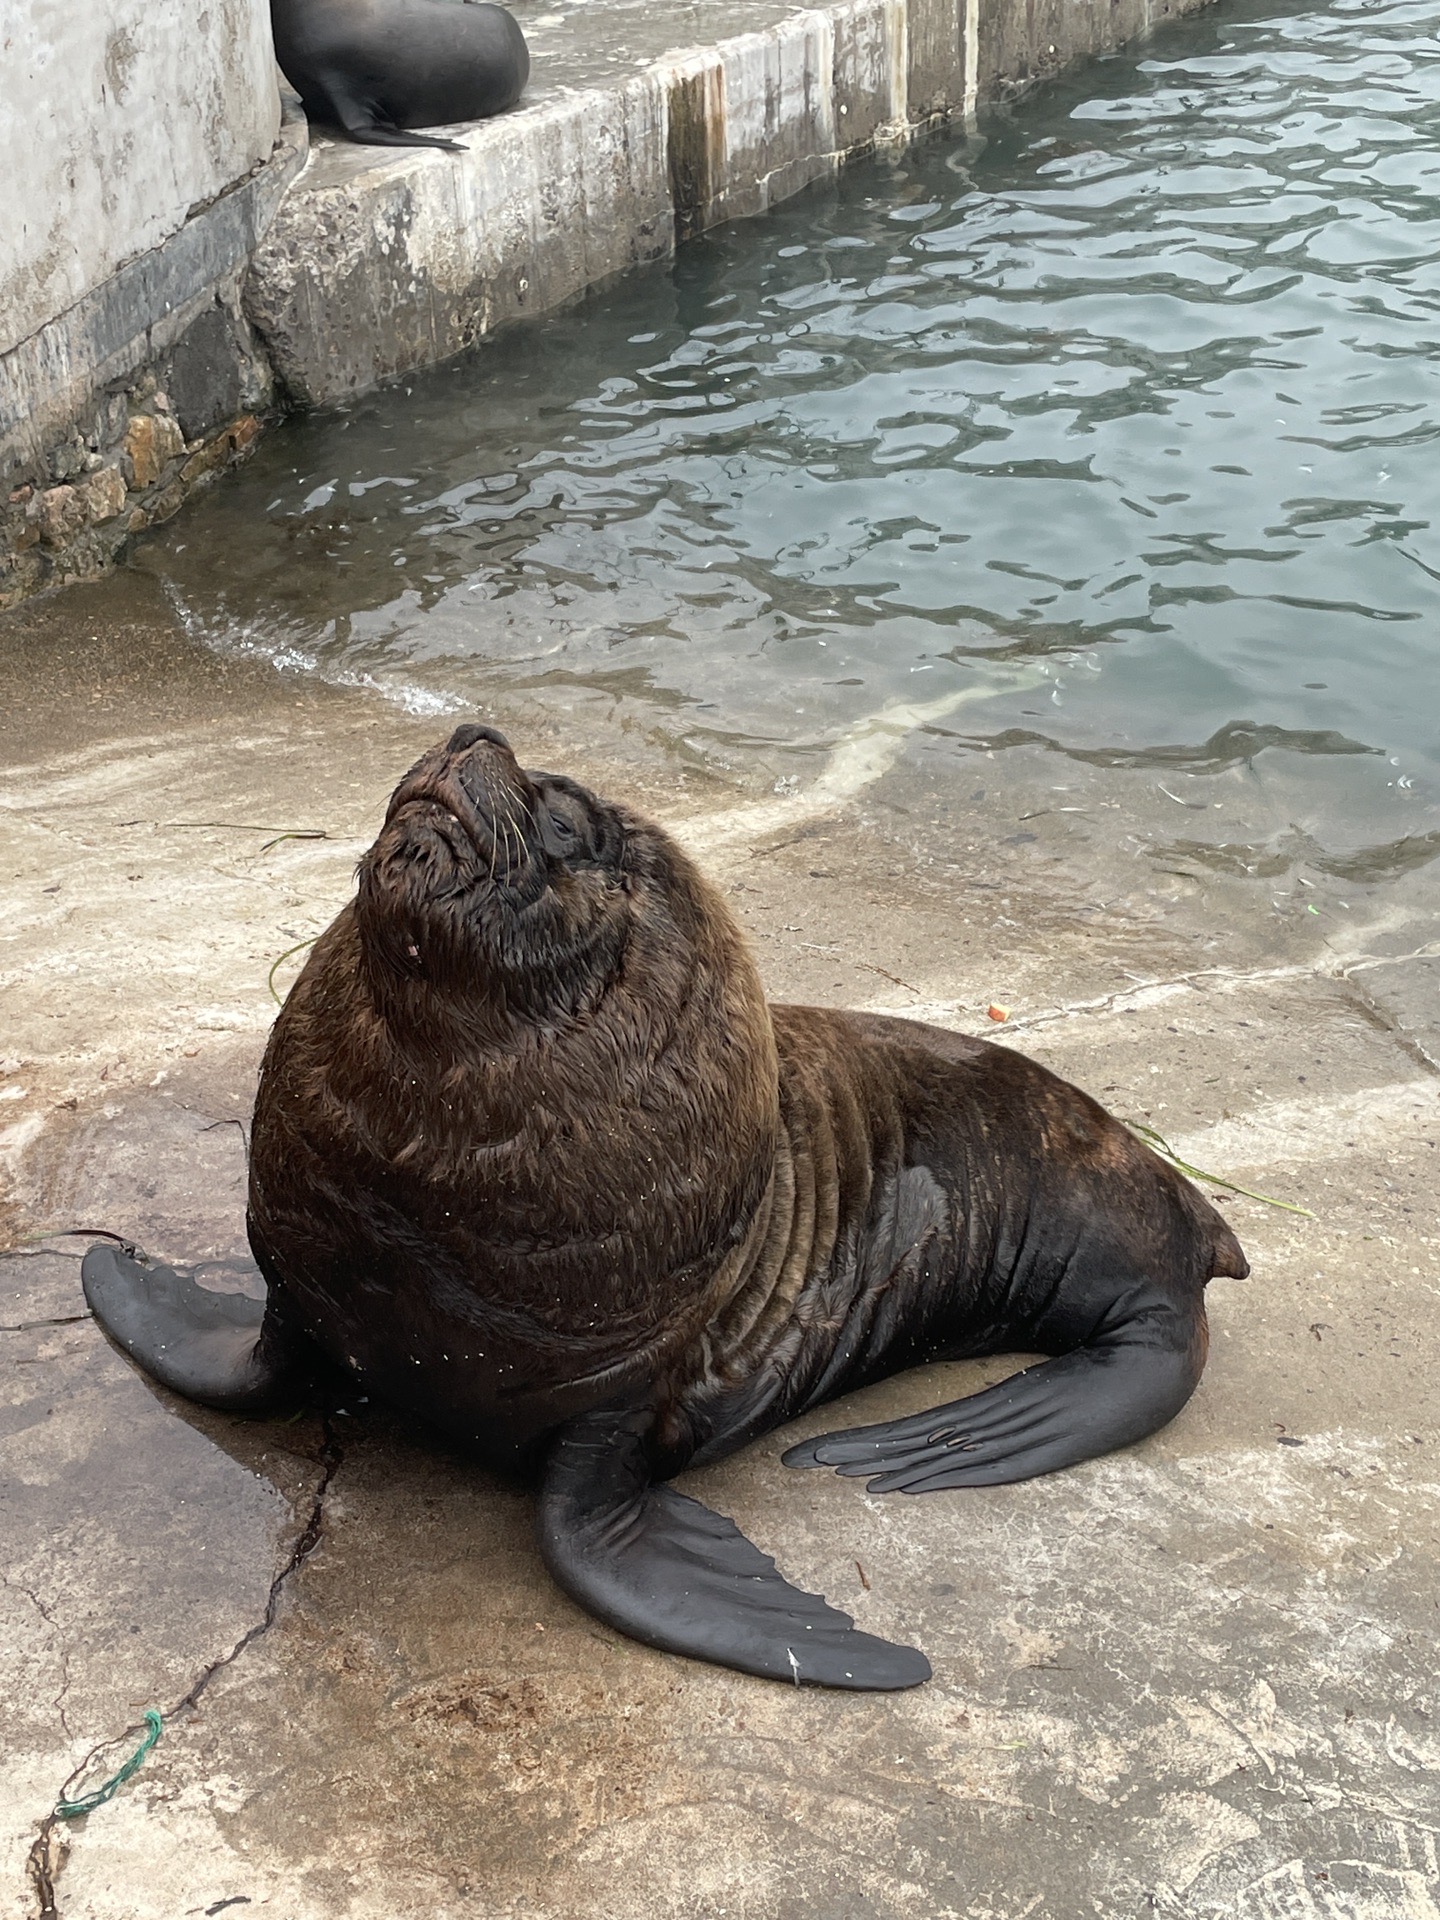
point(136, 471)
point(112, 412)
point(318, 274)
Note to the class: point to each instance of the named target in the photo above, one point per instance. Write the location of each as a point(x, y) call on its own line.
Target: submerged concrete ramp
point(641, 127)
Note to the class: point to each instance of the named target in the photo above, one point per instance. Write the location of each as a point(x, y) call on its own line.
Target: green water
point(1120, 416)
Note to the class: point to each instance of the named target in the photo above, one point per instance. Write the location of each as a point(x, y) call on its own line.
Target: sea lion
point(378, 68)
point(533, 1158)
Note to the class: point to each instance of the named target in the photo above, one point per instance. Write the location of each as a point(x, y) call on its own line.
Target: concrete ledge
point(417, 258)
point(631, 138)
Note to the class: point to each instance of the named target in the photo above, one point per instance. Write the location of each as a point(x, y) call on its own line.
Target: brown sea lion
point(533, 1158)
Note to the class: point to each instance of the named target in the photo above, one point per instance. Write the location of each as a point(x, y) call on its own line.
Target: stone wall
point(147, 135)
point(133, 468)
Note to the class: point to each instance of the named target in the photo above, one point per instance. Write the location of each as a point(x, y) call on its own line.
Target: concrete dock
point(1195, 1679)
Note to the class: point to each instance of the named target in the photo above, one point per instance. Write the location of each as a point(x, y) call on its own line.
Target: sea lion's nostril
point(471, 736)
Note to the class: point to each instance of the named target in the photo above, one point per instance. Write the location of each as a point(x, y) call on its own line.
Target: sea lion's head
point(504, 894)
point(487, 880)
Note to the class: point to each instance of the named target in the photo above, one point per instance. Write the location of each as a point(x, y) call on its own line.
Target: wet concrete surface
point(1197, 1678)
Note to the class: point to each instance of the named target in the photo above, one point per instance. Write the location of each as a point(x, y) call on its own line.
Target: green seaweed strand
point(299, 947)
point(1162, 1145)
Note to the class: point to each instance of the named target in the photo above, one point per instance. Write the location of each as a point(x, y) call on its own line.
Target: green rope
point(88, 1802)
point(1162, 1145)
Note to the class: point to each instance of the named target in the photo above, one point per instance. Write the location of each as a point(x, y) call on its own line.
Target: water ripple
point(1136, 385)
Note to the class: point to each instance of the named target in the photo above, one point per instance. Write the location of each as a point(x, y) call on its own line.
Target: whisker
point(519, 843)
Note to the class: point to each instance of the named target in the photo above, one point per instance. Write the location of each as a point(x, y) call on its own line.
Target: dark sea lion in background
point(533, 1158)
point(378, 68)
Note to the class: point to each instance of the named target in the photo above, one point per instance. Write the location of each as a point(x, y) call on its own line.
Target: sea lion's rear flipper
point(339, 100)
point(373, 134)
point(226, 1350)
point(1135, 1374)
point(660, 1567)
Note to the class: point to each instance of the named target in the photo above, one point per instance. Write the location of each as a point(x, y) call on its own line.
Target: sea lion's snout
point(472, 735)
point(489, 775)
point(474, 783)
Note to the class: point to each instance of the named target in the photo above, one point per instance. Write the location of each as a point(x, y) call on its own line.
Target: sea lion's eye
point(566, 822)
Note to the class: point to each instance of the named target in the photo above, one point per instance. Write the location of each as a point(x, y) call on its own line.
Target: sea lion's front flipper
point(226, 1350)
point(660, 1567)
point(1135, 1374)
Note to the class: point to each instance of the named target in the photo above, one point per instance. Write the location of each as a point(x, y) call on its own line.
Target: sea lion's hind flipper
point(1133, 1377)
point(375, 135)
point(340, 102)
point(665, 1570)
point(226, 1350)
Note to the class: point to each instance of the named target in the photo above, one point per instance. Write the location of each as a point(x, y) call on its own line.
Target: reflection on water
point(1136, 390)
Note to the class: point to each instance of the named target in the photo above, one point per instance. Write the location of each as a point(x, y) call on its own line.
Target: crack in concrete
point(59, 1320)
point(330, 1458)
point(46, 1862)
point(51, 1847)
point(1200, 977)
point(33, 1326)
point(19, 1586)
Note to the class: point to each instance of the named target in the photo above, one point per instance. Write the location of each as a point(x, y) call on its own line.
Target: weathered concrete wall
point(119, 116)
point(145, 133)
point(1018, 42)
